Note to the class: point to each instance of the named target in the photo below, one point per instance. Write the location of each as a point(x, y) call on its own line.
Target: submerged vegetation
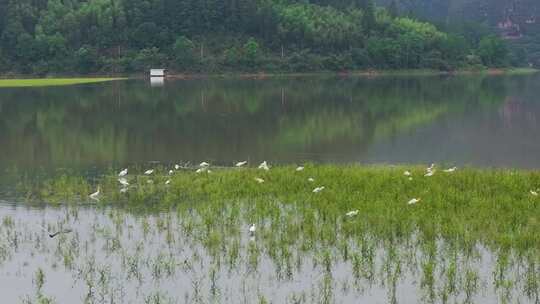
point(495, 207)
point(354, 228)
point(46, 82)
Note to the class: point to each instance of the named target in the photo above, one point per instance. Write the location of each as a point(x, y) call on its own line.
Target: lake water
point(115, 256)
point(467, 120)
point(112, 256)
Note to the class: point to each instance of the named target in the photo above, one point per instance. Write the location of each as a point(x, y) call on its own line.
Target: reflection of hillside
point(224, 120)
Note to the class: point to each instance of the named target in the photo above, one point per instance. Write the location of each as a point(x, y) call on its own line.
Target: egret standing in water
point(123, 182)
point(264, 166)
point(318, 189)
point(95, 195)
point(429, 173)
point(123, 173)
point(352, 213)
point(252, 229)
point(241, 164)
point(414, 201)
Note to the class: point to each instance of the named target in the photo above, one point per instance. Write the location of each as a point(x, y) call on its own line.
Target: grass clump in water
point(45, 82)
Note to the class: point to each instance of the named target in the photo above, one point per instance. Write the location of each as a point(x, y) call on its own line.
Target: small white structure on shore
point(157, 77)
point(158, 72)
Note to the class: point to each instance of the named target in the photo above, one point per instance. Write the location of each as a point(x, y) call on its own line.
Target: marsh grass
point(197, 225)
point(493, 207)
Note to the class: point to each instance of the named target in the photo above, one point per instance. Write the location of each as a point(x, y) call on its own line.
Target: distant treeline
point(126, 36)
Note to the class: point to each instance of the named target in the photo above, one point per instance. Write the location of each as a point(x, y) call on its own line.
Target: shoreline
point(358, 73)
point(60, 79)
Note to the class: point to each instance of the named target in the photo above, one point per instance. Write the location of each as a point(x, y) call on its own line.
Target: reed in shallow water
point(324, 202)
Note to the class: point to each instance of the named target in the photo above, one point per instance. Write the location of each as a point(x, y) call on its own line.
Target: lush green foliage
point(97, 36)
point(477, 18)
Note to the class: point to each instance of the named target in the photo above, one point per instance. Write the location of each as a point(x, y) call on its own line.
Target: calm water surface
point(468, 120)
point(112, 256)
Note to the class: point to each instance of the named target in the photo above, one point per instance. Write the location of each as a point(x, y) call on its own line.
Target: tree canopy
point(125, 36)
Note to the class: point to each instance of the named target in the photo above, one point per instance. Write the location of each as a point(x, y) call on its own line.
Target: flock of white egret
point(204, 167)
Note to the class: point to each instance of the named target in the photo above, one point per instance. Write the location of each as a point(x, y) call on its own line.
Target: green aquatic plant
point(198, 227)
point(45, 82)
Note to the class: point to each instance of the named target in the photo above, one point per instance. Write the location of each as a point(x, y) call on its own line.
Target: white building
point(158, 72)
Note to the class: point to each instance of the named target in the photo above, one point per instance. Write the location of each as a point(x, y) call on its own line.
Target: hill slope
point(122, 36)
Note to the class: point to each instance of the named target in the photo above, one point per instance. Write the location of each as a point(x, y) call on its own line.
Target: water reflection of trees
point(225, 119)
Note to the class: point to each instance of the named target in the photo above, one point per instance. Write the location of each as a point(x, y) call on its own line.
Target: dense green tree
point(91, 36)
point(251, 50)
point(184, 52)
point(493, 51)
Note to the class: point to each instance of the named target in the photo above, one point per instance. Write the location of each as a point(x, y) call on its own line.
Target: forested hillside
point(516, 21)
point(125, 36)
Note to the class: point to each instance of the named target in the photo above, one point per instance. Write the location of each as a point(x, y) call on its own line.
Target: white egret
point(352, 213)
point(414, 201)
point(95, 195)
point(450, 170)
point(176, 167)
point(123, 172)
point(241, 164)
point(300, 168)
point(204, 165)
point(123, 182)
point(171, 172)
point(311, 179)
point(264, 166)
point(148, 172)
point(429, 173)
point(124, 190)
point(318, 189)
point(407, 173)
point(252, 229)
point(259, 180)
point(168, 182)
point(534, 193)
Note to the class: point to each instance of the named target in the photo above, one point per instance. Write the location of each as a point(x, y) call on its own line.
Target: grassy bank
point(13, 83)
point(496, 208)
